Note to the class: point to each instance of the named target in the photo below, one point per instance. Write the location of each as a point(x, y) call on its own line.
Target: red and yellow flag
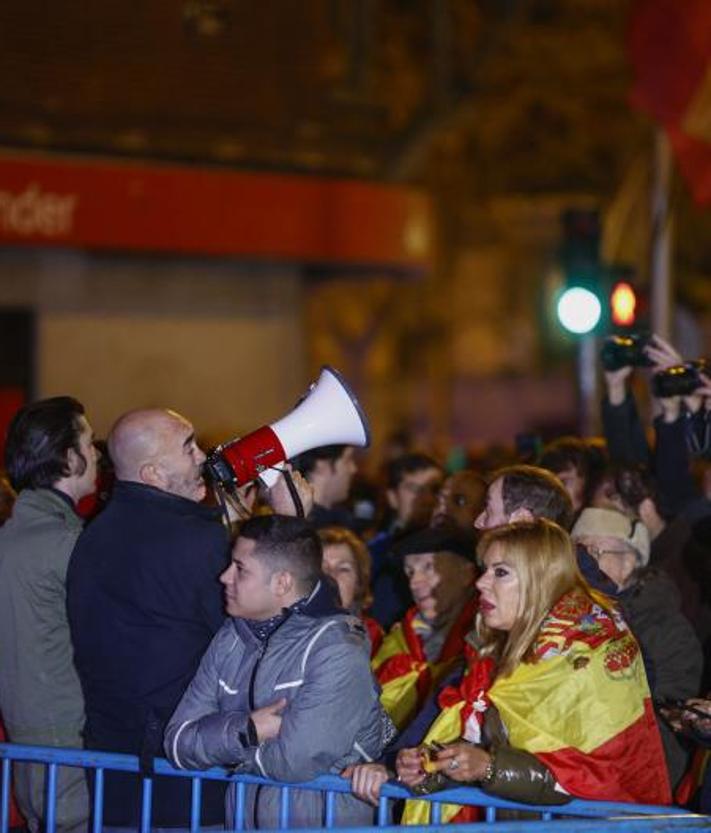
point(580, 703)
point(402, 669)
point(669, 45)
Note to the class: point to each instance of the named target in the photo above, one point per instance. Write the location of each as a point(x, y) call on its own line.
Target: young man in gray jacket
point(51, 462)
point(285, 688)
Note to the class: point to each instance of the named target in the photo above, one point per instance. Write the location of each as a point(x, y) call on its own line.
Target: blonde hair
point(543, 556)
point(334, 535)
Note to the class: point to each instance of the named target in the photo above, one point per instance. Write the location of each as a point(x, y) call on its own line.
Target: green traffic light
point(579, 310)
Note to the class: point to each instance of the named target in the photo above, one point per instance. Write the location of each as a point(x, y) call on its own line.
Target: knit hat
point(438, 539)
point(613, 524)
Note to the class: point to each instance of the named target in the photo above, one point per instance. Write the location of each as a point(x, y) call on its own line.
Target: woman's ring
point(454, 764)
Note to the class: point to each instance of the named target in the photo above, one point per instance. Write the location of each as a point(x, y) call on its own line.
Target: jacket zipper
point(250, 697)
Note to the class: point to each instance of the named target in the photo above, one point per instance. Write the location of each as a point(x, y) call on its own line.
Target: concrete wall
point(218, 341)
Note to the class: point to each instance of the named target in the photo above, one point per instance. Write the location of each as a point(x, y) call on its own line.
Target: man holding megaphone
point(144, 601)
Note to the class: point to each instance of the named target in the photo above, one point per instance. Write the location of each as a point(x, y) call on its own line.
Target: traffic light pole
point(660, 243)
point(588, 395)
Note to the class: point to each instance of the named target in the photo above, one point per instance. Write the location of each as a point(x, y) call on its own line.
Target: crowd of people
point(538, 629)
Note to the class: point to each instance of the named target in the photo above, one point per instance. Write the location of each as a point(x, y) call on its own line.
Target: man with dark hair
point(522, 493)
point(330, 470)
point(460, 500)
point(285, 689)
point(413, 481)
point(578, 464)
point(51, 461)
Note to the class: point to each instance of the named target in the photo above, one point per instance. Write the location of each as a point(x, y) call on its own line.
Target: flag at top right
point(669, 44)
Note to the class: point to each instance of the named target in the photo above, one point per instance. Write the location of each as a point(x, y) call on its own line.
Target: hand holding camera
point(673, 377)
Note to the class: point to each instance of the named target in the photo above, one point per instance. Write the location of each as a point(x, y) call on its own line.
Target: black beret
point(436, 540)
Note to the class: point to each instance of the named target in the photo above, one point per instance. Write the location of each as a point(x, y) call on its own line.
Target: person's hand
point(462, 761)
point(616, 382)
point(240, 509)
point(408, 766)
point(698, 719)
point(701, 396)
point(366, 780)
point(280, 499)
point(692, 714)
point(267, 720)
point(662, 354)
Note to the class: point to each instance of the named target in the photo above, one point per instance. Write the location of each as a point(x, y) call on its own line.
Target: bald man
point(144, 602)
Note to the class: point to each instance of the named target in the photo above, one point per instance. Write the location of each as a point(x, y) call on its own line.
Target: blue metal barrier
point(577, 815)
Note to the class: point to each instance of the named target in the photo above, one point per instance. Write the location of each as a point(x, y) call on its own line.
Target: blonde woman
point(555, 701)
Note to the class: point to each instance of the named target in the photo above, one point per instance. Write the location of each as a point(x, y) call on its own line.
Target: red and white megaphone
point(328, 414)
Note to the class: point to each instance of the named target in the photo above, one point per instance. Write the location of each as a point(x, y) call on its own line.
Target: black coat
point(144, 602)
point(671, 650)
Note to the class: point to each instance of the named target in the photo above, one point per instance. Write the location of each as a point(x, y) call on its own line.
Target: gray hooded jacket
point(333, 718)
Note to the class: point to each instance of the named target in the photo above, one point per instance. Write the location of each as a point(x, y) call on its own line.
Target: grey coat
point(320, 664)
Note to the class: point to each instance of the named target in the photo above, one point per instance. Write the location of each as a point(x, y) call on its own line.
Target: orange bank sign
point(109, 205)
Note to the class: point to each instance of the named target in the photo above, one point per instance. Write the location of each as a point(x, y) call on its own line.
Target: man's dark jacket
point(144, 602)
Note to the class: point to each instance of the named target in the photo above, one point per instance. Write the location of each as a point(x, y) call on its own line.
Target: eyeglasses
point(598, 552)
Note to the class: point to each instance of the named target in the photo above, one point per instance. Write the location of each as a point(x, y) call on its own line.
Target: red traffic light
point(623, 304)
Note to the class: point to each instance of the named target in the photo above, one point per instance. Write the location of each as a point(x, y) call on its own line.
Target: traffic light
point(629, 299)
point(579, 305)
point(579, 310)
point(623, 304)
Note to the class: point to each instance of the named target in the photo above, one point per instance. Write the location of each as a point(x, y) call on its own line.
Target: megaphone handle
point(298, 505)
point(270, 476)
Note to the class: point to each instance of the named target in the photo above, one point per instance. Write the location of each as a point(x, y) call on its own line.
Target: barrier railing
point(577, 815)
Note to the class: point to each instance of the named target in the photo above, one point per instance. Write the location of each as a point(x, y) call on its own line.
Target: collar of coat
point(126, 491)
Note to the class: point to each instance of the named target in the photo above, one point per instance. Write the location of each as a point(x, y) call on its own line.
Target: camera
point(680, 380)
point(625, 351)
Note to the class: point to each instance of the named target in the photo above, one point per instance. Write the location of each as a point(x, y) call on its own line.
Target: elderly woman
point(555, 700)
point(613, 554)
point(347, 561)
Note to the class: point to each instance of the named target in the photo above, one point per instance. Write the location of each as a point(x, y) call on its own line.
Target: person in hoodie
point(613, 555)
point(285, 689)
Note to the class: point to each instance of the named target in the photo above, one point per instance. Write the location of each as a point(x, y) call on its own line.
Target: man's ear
point(74, 462)
point(391, 495)
point(282, 583)
point(151, 475)
point(521, 514)
point(321, 469)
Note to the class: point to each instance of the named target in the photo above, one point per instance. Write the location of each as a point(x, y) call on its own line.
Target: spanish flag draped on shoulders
point(401, 666)
point(579, 702)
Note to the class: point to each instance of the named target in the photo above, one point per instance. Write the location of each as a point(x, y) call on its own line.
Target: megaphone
point(328, 414)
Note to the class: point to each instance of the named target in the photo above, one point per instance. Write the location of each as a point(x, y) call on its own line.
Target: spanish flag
point(461, 716)
point(402, 669)
point(669, 45)
point(580, 703)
